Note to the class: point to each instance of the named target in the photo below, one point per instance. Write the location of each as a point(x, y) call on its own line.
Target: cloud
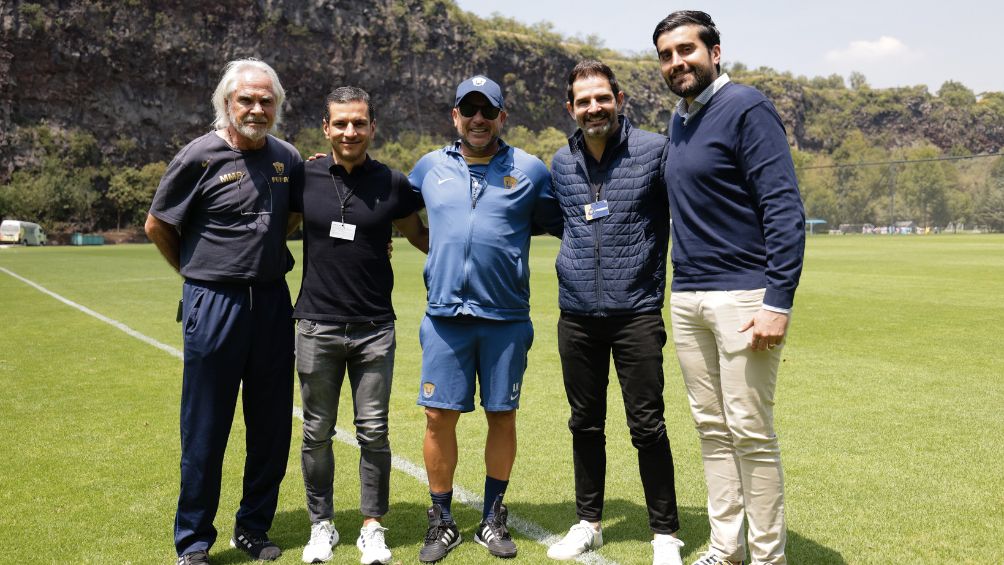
point(884, 49)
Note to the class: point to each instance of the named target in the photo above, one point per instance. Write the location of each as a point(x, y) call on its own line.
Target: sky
point(893, 43)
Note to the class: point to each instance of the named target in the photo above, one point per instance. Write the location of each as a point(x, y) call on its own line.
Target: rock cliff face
point(133, 71)
point(138, 74)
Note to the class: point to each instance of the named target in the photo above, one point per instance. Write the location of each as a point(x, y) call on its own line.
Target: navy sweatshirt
point(737, 216)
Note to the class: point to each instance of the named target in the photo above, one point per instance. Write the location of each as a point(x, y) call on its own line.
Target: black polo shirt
point(343, 280)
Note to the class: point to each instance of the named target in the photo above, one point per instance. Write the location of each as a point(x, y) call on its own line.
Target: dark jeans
point(323, 352)
point(585, 344)
point(234, 335)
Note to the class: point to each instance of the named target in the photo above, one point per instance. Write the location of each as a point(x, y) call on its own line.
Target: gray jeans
point(323, 351)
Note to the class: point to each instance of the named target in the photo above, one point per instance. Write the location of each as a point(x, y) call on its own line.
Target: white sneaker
point(579, 539)
point(323, 536)
point(371, 543)
point(666, 550)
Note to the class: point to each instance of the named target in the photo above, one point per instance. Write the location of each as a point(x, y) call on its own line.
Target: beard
point(465, 139)
point(255, 131)
point(600, 131)
point(701, 79)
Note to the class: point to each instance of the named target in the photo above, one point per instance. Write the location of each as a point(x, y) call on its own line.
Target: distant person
point(611, 289)
point(345, 318)
point(738, 238)
point(481, 196)
point(219, 217)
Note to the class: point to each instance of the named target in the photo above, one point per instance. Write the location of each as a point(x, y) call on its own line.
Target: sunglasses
point(469, 110)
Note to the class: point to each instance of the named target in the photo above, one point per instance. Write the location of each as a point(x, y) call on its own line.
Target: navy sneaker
point(256, 545)
point(440, 538)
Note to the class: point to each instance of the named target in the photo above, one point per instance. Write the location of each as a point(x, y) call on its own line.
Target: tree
point(924, 186)
point(406, 150)
point(311, 140)
point(858, 81)
point(60, 187)
point(956, 94)
point(859, 188)
point(131, 191)
point(817, 185)
point(543, 144)
point(990, 200)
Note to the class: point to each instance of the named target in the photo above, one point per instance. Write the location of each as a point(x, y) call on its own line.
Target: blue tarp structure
point(812, 222)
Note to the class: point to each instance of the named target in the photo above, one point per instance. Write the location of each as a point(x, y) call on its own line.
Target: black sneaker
point(494, 534)
point(440, 538)
point(194, 558)
point(257, 546)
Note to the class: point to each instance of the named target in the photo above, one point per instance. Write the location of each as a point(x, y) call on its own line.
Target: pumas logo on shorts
point(428, 389)
point(515, 392)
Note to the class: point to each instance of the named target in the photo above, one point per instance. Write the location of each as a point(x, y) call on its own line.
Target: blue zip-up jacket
point(478, 262)
point(615, 265)
point(738, 221)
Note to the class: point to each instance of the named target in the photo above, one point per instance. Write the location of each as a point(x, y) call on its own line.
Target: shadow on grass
point(406, 523)
point(625, 520)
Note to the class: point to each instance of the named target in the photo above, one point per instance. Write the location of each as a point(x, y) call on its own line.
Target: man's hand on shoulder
point(768, 329)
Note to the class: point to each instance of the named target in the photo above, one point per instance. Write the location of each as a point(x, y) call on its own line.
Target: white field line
point(145, 339)
point(529, 529)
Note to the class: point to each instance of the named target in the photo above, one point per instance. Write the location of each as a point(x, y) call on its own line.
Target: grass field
point(890, 410)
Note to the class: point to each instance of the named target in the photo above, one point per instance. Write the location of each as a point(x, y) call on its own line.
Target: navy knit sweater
point(738, 221)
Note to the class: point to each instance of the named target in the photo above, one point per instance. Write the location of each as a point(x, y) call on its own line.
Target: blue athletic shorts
point(454, 350)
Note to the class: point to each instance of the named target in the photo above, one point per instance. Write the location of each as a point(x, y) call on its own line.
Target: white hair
point(228, 83)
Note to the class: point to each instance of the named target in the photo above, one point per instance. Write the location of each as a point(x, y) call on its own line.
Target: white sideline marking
point(149, 340)
point(529, 529)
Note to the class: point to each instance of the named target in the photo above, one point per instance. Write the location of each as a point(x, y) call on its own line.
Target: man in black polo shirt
point(344, 314)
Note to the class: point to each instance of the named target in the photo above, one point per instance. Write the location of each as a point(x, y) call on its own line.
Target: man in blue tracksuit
point(482, 197)
point(738, 239)
point(611, 287)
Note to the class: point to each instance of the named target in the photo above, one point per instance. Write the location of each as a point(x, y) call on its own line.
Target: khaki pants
point(731, 394)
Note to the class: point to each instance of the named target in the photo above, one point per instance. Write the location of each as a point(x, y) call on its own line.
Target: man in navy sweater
point(738, 239)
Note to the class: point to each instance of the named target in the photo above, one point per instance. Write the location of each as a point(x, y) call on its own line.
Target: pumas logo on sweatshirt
point(280, 168)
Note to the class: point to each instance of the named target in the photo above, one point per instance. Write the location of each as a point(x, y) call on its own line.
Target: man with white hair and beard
point(219, 217)
point(611, 288)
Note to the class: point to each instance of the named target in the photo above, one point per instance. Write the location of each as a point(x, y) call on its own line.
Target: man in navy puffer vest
point(612, 281)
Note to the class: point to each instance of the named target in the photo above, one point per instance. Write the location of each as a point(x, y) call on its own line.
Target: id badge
point(596, 210)
point(342, 231)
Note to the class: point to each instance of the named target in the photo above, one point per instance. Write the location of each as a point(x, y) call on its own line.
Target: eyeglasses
point(254, 187)
point(262, 180)
point(469, 109)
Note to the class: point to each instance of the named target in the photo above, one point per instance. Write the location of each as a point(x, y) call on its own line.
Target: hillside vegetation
point(95, 98)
